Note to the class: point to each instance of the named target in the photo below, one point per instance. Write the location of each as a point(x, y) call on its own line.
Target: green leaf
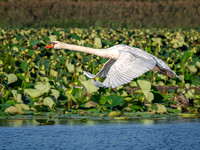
point(197, 63)
point(161, 109)
point(150, 97)
point(70, 67)
point(157, 40)
point(6, 105)
point(56, 33)
point(48, 101)
point(30, 52)
point(75, 36)
point(44, 88)
point(12, 78)
point(81, 42)
point(1, 62)
point(179, 40)
point(82, 78)
point(55, 93)
point(146, 88)
point(25, 107)
point(69, 95)
point(91, 88)
point(116, 100)
point(53, 73)
point(79, 55)
point(114, 114)
point(136, 108)
point(97, 43)
point(103, 100)
point(190, 94)
point(192, 68)
point(124, 94)
point(53, 38)
point(14, 92)
point(17, 97)
point(34, 42)
point(12, 109)
point(34, 93)
point(133, 84)
point(144, 85)
point(19, 108)
point(12, 102)
point(186, 56)
point(24, 66)
point(90, 104)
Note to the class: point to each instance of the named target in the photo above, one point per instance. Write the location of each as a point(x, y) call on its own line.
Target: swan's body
point(125, 63)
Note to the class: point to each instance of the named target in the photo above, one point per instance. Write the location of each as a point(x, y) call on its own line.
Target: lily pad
point(34, 93)
point(97, 43)
point(34, 42)
point(157, 40)
point(115, 100)
point(48, 101)
point(17, 96)
point(55, 93)
point(53, 73)
point(114, 114)
point(53, 38)
point(192, 68)
point(161, 109)
point(12, 78)
point(44, 88)
point(146, 88)
point(91, 88)
point(19, 108)
point(70, 67)
point(25, 107)
point(90, 104)
point(197, 64)
point(12, 109)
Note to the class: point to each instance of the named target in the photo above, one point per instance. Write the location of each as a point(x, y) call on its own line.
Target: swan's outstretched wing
point(104, 70)
point(164, 68)
point(127, 67)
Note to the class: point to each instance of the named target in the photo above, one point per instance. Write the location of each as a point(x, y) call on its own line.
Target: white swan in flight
point(125, 63)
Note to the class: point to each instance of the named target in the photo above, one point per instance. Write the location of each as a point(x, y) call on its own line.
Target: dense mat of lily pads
point(34, 79)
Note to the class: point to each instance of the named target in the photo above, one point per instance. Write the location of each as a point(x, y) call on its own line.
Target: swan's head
point(55, 45)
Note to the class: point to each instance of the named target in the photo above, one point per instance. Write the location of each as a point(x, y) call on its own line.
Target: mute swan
point(125, 63)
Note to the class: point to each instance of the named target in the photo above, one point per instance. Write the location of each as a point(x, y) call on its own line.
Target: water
point(102, 135)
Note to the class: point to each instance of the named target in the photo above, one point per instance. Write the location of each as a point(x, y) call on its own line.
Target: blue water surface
point(101, 135)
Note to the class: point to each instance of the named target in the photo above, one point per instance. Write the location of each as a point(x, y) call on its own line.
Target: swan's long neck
point(98, 52)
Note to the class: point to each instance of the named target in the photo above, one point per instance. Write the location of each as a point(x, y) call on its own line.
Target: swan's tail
point(89, 75)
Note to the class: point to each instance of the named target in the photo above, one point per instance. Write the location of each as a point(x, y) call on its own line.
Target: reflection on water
point(17, 123)
point(118, 134)
point(145, 122)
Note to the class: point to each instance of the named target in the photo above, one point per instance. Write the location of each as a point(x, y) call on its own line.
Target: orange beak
point(50, 46)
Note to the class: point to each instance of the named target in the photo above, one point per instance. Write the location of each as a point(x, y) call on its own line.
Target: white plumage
point(125, 63)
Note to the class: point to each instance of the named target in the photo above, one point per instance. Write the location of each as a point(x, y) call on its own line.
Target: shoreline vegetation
point(93, 13)
point(35, 81)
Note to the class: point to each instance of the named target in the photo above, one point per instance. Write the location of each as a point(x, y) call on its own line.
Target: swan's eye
point(54, 43)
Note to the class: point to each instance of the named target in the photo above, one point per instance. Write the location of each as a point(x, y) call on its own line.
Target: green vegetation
point(34, 79)
point(92, 13)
